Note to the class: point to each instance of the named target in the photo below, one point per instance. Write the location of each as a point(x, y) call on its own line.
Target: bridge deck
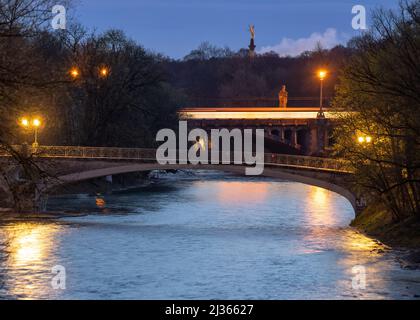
point(149, 155)
point(253, 113)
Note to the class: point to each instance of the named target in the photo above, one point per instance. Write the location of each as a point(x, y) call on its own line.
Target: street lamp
point(35, 123)
point(322, 74)
point(75, 73)
point(364, 139)
point(104, 72)
point(24, 122)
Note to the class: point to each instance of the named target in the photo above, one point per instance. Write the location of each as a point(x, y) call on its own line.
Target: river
point(204, 235)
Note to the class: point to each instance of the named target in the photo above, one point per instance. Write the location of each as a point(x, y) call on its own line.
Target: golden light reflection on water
point(319, 207)
point(357, 242)
point(232, 192)
point(327, 231)
point(318, 216)
point(100, 202)
point(324, 217)
point(30, 257)
point(319, 196)
point(362, 251)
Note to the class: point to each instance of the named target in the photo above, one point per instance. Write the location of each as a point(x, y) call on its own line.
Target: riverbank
point(7, 215)
point(377, 223)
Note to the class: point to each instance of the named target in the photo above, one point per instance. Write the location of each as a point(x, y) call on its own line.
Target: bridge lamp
point(322, 74)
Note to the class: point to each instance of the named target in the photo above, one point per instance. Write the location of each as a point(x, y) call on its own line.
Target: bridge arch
point(280, 173)
point(276, 133)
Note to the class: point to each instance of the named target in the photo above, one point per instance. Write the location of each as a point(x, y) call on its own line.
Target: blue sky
point(175, 27)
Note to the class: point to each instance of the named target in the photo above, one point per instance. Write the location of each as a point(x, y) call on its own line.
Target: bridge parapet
point(305, 162)
point(149, 155)
point(73, 164)
point(256, 102)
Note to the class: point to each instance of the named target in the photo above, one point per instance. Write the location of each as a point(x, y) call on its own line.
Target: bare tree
point(382, 86)
point(25, 80)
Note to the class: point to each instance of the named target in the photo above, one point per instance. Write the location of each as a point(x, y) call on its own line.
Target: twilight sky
point(175, 27)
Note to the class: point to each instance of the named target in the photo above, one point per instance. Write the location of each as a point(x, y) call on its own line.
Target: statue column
point(252, 45)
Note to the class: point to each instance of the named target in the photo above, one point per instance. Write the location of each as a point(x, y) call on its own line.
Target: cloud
point(292, 47)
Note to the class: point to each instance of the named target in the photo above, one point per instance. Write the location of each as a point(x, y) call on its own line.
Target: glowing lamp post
point(364, 139)
point(322, 74)
point(35, 123)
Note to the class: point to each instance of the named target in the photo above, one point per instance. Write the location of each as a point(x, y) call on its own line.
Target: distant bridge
point(296, 130)
point(72, 164)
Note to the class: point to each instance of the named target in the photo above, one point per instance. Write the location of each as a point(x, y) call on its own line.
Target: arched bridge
point(74, 164)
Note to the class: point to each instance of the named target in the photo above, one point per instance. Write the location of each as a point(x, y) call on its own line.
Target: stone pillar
point(282, 137)
point(252, 48)
point(294, 140)
point(327, 138)
point(312, 148)
point(321, 135)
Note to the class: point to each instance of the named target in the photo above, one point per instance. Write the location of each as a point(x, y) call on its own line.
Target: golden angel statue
point(252, 31)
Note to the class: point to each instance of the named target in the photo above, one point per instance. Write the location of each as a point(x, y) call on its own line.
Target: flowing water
point(206, 235)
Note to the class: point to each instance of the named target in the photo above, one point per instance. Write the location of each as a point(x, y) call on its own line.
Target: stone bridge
point(299, 131)
point(69, 165)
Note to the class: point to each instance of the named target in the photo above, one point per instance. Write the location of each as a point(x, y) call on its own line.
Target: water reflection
point(362, 251)
point(100, 202)
point(319, 196)
point(30, 256)
point(233, 192)
point(218, 238)
point(321, 207)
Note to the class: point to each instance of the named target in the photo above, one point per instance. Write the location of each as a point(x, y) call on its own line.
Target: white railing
point(149, 155)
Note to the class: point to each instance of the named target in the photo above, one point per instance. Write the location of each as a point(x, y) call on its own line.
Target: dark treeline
point(141, 91)
point(209, 74)
point(84, 89)
point(56, 75)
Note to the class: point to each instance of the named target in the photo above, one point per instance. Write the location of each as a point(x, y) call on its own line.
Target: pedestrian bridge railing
point(149, 155)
